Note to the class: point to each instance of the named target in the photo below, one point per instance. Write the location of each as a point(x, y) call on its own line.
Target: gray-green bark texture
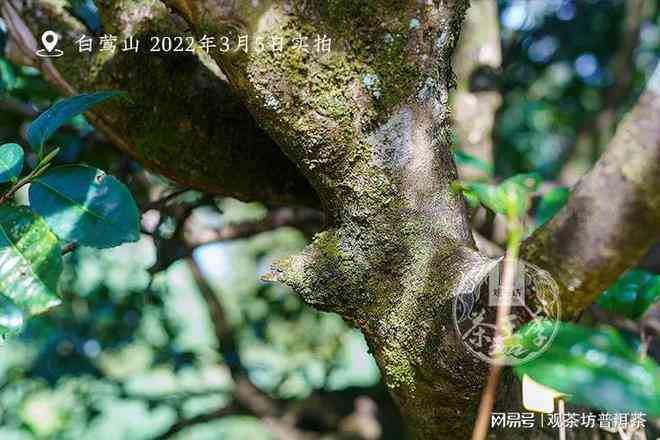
point(180, 117)
point(362, 131)
point(612, 218)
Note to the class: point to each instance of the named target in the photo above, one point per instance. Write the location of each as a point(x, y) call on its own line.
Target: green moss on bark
point(179, 117)
point(398, 370)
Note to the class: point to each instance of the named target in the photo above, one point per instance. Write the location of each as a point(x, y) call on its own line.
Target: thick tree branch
point(613, 215)
point(368, 124)
point(180, 117)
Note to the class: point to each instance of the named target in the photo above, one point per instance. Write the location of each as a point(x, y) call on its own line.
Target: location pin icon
point(49, 40)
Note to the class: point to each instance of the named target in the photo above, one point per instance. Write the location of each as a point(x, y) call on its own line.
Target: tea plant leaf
point(11, 162)
point(84, 205)
point(49, 121)
point(30, 259)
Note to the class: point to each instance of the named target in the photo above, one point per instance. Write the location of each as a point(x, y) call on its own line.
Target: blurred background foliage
point(155, 338)
point(570, 71)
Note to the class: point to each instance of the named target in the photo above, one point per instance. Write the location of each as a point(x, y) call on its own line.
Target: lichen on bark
point(180, 117)
point(594, 239)
point(368, 125)
point(366, 128)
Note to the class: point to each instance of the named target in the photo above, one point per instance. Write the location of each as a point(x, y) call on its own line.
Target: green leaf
point(595, 367)
point(514, 193)
point(86, 206)
point(486, 194)
point(511, 197)
point(8, 79)
point(551, 203)
point(472, 200)
point(464, 159)
point(11, 317)
point(30, 259)
point(49, 121)
point(11, 162)
point(650, 295)
point(48, 157)
point(87, 11)
point(632, 294)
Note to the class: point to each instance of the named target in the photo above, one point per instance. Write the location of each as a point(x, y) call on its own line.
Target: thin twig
point(18, 107)
point(69, 247)
point(224, 334)
point(562, 415)
point(487, 403)
point(248, 398)
point(305, 219)
point(488, 398)
point(232, 408)
point(246, 392)
point(24, 181)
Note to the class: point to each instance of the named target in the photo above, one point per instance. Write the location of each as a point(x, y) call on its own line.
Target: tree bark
point(180, 117)
point(612, 218)
point(367, 129)
point(368, 125)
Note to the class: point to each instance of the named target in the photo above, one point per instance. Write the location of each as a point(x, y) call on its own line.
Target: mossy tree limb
point(180, 116)
point(612, 217)
point(367, 125)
